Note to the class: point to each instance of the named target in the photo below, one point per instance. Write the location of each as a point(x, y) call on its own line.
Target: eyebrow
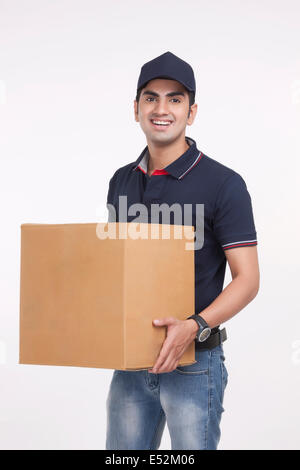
point(172, 93)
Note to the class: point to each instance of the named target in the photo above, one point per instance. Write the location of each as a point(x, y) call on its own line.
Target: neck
point(161, 156)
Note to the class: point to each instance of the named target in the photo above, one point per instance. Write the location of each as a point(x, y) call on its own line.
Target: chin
point(162, 139)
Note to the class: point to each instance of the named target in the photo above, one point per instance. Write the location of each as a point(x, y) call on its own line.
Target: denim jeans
point(189, 399)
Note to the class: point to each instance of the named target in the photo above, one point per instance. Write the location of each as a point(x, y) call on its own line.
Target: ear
point(192, 115)
point(136, 116)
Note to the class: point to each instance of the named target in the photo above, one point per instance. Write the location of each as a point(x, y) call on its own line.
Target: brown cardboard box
point(90, 302)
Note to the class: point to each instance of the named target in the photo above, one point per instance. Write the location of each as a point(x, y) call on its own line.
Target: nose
point(161, 107)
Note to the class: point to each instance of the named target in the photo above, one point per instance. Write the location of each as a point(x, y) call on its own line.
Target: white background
point(68, 75)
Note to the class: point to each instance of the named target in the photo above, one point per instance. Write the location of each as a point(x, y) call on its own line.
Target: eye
point(153, 98)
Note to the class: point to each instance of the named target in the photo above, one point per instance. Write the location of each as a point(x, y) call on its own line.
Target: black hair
point(190, 93)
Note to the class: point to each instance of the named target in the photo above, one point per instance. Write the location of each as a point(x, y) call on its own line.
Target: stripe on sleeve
point(240, 243)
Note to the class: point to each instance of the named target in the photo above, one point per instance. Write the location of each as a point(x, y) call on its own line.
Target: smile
point(161, 124)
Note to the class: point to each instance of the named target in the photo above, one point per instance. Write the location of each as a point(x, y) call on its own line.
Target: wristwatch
point(204, 330)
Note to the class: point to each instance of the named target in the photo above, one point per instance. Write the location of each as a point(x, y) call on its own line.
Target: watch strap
point(201, 322)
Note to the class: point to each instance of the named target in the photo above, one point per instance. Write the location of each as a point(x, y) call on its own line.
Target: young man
point(171, 170)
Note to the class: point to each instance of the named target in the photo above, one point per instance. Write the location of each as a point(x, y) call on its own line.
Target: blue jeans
point(189, 399)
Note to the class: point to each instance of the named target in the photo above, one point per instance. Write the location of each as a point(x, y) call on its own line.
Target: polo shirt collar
point(180, 167)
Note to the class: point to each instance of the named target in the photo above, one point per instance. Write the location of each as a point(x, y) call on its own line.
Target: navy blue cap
point(169, 66)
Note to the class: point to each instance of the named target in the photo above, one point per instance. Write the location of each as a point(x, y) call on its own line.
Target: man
point(171, 170)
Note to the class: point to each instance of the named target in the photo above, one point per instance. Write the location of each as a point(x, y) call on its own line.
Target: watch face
point(204, 334)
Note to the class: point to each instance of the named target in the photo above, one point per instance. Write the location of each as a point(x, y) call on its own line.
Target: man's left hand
point(180, 334)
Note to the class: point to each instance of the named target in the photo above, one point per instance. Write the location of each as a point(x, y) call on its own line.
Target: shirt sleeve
point(233, 221)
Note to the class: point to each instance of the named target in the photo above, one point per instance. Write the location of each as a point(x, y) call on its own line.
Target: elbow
point(251, 285)
point(255, 292)
point(255, 285)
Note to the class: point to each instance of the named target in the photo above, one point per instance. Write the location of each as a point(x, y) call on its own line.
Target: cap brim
point(167, 77)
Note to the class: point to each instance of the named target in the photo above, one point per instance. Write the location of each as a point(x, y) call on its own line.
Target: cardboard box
point(88, 301)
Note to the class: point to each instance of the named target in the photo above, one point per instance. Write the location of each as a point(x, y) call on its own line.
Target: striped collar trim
point(179, 168)
point(192, 165)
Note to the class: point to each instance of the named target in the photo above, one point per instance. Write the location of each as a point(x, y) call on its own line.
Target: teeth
point(162, 123)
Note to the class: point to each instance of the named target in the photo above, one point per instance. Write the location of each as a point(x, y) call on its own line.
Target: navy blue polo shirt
point(193, 178)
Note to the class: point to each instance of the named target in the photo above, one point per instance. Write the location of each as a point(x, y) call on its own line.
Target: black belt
point(213, 341)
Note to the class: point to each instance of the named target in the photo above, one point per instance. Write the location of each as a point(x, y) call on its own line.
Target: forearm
point(236, 295)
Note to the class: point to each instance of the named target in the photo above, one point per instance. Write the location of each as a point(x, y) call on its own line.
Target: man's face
point(166, 103)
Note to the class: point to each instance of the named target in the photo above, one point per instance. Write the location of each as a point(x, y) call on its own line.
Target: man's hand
point(180, 333)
